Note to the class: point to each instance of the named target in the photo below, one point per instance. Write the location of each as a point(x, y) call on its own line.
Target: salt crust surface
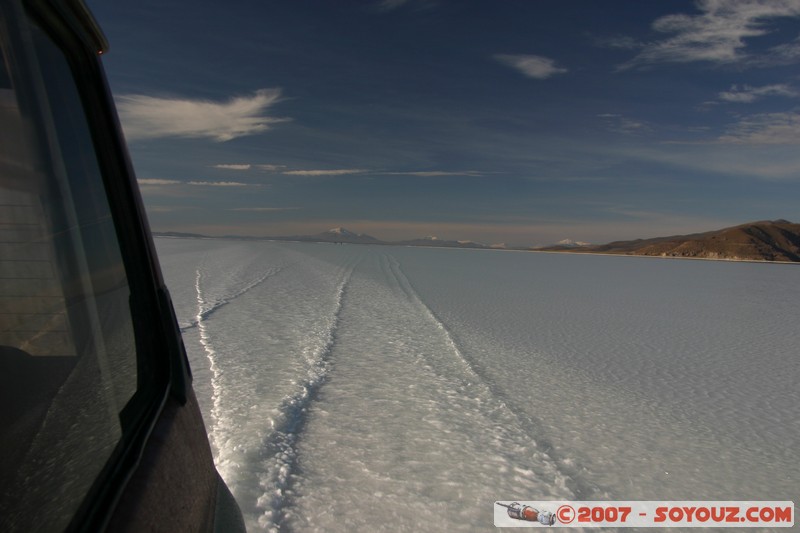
point(379, 388)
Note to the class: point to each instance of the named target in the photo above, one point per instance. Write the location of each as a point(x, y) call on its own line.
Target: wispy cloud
point(620, 124)
point(146, 117)
point(621, 42)
point(532, 66)
point(787, 53)
point(156, 182)
point(329, 172)
point(271, 168)
point(716, 35)
point(349, 171)
point(265, 209)
point(169, 208)
point(234, 166)
point(765, 128)
point(435, 173)
point(728, 157)
point(220, 184)
point(746, 94)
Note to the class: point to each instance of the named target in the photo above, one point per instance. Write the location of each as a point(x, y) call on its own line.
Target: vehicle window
point(67, 351)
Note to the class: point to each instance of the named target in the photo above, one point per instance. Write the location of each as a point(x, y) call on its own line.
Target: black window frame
point(162, 365)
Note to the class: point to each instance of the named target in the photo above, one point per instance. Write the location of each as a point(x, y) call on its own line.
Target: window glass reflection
point(67, 351)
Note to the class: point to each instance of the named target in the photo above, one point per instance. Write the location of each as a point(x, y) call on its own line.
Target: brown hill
point(776, 240)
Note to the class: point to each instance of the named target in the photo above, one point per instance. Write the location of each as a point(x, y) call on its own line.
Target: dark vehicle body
point(99, 427)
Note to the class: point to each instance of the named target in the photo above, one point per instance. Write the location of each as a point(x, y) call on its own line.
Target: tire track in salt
point(279, 449)
point(569, 470)
point(211, 355)
point(206, 309)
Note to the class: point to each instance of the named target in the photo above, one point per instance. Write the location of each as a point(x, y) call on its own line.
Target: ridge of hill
point(767, 240)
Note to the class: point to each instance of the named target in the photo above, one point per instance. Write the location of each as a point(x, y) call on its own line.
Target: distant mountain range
point(340, 235)
point(344, 236)
point(769, 240)
point(775, 240)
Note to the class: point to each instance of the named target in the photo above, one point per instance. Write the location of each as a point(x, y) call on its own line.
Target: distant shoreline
point(722, 259)
point(169, 235)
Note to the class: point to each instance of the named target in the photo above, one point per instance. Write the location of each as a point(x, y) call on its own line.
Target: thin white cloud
point(621, 42)
point(716, 35)
point(332, 172)
point(233, 166)
point(532, 66)
point(746, 94)
point(218, 184)
point(787, 53)
point(620, 124)
point(765, 128)
point(435, 173)
point(156, 182)
point(729, 157)
point(271, 168)
point(169, 208)
point(265, 209)
point(147, 117)
point(348, 171)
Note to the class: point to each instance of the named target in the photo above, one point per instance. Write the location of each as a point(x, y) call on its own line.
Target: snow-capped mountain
point(572, 244)
point(344, 235)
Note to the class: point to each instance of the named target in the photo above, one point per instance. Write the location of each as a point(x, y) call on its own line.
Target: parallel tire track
point(279, 450)
point(569, 469)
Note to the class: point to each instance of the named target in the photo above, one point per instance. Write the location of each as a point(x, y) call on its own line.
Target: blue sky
point(517, 121)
